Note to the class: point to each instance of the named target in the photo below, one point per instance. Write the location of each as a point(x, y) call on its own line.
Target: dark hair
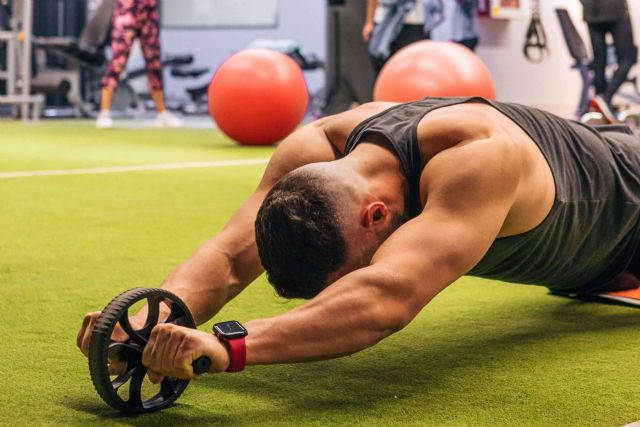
point(298, 235)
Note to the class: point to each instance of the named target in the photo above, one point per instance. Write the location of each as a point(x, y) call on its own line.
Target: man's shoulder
point(339, 126)
point(450, 126)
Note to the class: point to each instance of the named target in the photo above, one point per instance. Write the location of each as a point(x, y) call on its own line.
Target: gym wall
point(303, 21)
point(552, 84)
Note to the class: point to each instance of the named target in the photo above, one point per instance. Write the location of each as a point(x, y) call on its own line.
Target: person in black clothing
point(609, 17)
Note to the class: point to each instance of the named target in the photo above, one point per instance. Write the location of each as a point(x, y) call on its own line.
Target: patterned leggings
point(131, 19)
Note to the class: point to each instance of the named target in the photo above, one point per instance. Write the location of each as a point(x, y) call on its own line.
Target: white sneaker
point(168, 120)
point(104, 120)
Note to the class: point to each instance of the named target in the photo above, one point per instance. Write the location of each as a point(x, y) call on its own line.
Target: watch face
point(230, 330)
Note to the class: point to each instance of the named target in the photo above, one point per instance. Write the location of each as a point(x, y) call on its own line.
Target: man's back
point(584, 236)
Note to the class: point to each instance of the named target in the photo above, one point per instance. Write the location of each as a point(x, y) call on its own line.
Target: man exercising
point(372, 212)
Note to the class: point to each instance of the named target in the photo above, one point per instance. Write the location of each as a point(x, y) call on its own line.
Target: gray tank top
point(592, 230)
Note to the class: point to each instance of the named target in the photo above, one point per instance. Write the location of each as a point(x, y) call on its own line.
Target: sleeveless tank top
point(591, 232)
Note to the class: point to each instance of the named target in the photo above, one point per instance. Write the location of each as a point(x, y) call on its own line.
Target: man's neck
point(382, 171)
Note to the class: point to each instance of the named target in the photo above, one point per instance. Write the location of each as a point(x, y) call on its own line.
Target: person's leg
point(634, 267)
point(469, 43)
point(627, 279)
point(122, 36)
point(151, 49)
point(625, 53)
point(106, 98)
point(597, 33)
point(377, 63)
point(410, 33)
point(622, 282)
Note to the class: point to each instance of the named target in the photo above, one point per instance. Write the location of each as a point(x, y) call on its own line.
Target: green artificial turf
point(482, 353)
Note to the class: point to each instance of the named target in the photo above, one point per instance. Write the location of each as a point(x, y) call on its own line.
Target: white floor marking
point(137, 168)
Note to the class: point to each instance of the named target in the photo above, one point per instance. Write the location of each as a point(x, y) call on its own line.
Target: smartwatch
point(232, 334)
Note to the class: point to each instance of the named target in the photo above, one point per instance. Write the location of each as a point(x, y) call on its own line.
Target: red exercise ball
point(258, 96)
point(429, 68)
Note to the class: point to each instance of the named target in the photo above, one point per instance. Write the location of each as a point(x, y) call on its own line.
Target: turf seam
point(134, 168)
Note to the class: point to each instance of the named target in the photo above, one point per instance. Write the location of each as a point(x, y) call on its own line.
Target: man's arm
point(466, 208)
point(227, 263)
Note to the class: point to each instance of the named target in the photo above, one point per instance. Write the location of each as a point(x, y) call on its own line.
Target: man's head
point(317, 224)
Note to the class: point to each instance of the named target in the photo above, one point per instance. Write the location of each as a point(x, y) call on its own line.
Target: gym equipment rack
point(17, 73)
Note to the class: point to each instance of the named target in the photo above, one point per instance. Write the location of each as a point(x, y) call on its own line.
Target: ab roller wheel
point(115, 361)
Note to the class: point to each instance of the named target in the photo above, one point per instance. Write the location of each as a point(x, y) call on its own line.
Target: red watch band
point(237, 354)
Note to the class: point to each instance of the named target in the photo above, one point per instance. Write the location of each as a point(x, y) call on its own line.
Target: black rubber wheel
point(133, 374)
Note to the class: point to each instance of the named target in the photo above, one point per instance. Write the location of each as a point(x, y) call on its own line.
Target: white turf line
point(138, 168)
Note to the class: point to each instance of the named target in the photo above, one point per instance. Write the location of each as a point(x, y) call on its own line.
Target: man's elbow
point(389, 301)
point(385, 320)
point(399, 316)
point(400, 300)
point(395, 313)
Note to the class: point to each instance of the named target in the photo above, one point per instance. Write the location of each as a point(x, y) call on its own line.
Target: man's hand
point(171, 350)
point(366, 31)
point(84, 335)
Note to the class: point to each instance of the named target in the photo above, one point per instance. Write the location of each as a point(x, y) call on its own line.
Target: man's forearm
point(354, 313)
point(226, 264)
point(222, 267)
point(207, 281)
point(204, 288)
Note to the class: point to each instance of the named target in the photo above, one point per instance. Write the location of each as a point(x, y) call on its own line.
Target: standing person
point(135, 19)
point(609, 17)
point(391, 25)
point(464, 23)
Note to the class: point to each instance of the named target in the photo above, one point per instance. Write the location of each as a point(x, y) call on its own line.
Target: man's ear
point(373, 214)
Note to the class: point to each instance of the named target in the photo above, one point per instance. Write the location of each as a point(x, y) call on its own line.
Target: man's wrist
point(232, 335)
point(226, 355)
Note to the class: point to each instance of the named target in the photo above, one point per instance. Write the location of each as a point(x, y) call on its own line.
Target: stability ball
point(258, 96)
point(429, 68)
